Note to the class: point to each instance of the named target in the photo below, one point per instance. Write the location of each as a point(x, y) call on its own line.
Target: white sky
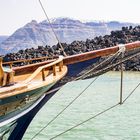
point(16, 13)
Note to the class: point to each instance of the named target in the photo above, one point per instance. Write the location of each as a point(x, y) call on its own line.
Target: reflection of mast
point(52, 28)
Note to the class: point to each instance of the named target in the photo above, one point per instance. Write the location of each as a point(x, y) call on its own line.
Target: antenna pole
point(121, 84)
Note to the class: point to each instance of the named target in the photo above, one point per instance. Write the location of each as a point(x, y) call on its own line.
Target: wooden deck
point(41, 77)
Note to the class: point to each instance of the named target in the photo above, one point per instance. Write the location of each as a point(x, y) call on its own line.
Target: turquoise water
point(120, 123)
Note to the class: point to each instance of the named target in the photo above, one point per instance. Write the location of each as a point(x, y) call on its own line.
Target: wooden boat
point(25, 89)
point(18, 92)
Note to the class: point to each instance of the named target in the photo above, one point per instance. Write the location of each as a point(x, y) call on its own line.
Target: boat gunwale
point(99, 53)
point(83, 56)
point(44, 83)
point(60, 72)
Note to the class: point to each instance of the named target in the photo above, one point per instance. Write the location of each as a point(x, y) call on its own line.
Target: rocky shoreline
point(126, 35)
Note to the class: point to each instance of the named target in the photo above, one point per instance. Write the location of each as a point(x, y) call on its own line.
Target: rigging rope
point(101, 71)
point(96, 114)
point(80, 77)
point(97, 66)
point(52, 27)
point(64, 108)
point(85, 121)
point(131, 93)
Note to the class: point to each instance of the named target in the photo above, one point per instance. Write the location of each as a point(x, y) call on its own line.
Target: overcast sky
point(16, 13)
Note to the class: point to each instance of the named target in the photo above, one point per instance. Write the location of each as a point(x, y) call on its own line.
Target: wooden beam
point(54, 70)
point(43, 75)
point(1, 73)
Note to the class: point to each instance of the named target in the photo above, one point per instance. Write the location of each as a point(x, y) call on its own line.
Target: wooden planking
point(30, 68)
point(35, 80)
point(9, 107)
point(34, 84)
point(53, 64)
point(19, 104)
point(10, 89)
point(20, 78)
point(27, 60)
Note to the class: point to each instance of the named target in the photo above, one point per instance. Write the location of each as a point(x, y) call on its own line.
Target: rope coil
point(122, 48)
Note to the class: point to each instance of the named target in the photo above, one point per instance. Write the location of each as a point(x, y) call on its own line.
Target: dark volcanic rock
point(67, 30)
point(126, 35)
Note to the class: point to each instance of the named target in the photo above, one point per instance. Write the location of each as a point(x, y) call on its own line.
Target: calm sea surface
point(120, 123)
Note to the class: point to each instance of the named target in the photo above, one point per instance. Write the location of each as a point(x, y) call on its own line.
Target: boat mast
point(64, 53)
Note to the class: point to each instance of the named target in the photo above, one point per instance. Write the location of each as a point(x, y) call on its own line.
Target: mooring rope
point(94, 116)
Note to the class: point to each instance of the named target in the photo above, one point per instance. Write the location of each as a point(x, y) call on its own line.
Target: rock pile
point(126, 35)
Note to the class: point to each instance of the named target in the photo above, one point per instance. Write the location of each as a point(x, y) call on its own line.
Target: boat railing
point(27, 61)
point(41, 69)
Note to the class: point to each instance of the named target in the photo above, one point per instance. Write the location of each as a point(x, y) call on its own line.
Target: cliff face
point(35, 34)
point(3, 38)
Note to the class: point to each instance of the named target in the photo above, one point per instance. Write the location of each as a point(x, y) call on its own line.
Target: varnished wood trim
point(53, 64)
point(49, 80)
point(98, 53)
point(27, 60)
point(79, 57)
